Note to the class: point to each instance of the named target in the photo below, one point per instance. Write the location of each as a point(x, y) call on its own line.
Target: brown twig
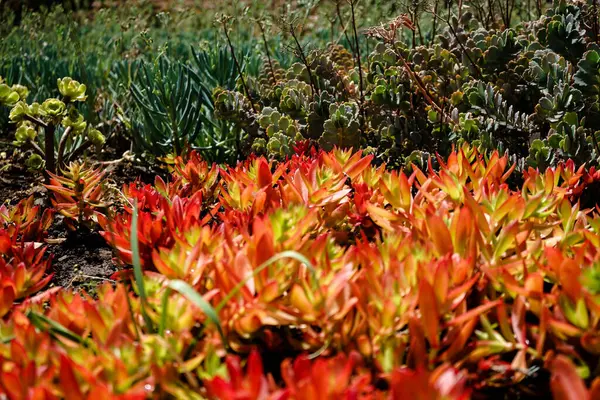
point(434, 24)
point(420, 85)
point(264, 38)
point(303, 58)
point(462, 47)
point(36, 121)
point(413, 13)
point(237, 64)
point(61, 146)
point(339, 15)
point(36, 149)
point(595, 20)
point(490, 14)
point(358, 62)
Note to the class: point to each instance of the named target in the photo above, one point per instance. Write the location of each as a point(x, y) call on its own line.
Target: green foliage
point(166, 82)
point(282, 133)
point(170, 103)
point(561, 31)
point(516, 90)
point(54, 130)
point(568, 139)
point(9, 95)
point(587, 77)
point(342, 129)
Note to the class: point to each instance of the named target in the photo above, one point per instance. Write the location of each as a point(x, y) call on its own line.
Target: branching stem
point(49, 148)
point(237, 65)
point(358, 61)
point(264, 38)
point(304, 60)
point(61, 146)
point(36, 149)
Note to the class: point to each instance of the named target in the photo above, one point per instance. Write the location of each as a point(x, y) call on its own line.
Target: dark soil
point(129, 172)
point(82, 259)
point(79, 259)
point(16, 182)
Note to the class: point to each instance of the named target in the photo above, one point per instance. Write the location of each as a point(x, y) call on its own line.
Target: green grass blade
point(279, 256)
point(192, 295)
point(46, 324)
point(163, 316)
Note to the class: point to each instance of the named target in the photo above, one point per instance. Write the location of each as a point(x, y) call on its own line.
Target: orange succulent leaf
point(565, 382)
point(249, 384)
point(439, 234)
point(68, 381)
point(460, 269)
point(78, 193)
point(429, 313)
point(442, 383)
point(473, 313)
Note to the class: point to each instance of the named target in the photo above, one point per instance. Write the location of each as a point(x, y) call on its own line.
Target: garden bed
point(313, 201)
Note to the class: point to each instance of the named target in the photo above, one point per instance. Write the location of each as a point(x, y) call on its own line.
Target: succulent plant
point(74, 120)
point(341, 56)
point(8, 96)
point(587, 77)
point(568, 139)
point(563, 99)
point(71, 90)
point(318, 113)
point(25, 133)
point(546, 69)
point(295, 99)
point(562, 31)
point(500, 48)
point(58, 121)
point(23, 91)
point(476, 82)
point(21, 110)
point(281, 130)
point(35, 162)
point(54, 109)
point(342, 129)
point(391, 90)
point(232, 105)
point(96, 137)
point(78, 194)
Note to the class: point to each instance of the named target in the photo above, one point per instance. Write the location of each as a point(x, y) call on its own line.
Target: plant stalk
point(339, 15)
point(49, 149)
point(61, 146)
point(304, 60)
point(358, 62)
point(264, 38)
point(36, 149)
point(238, 67)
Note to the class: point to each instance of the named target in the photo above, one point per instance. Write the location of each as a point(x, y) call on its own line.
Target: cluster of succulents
point(54, 130)
point(10, 95)
point(442, 284)
point(417, 221)
point(516, 90)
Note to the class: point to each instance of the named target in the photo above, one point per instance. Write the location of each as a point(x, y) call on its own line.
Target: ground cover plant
point(300, 200)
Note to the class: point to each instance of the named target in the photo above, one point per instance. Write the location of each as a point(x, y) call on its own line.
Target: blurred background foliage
point(152, 67)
